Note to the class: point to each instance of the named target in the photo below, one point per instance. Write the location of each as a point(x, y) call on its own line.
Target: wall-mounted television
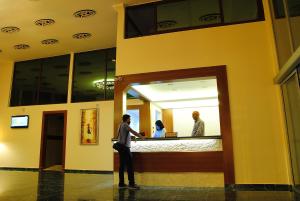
point(20, 121)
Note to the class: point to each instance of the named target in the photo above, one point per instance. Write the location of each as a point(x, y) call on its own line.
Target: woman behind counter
point(160, 129)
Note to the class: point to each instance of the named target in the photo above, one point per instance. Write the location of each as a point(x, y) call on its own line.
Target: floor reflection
point(55, 186)
point(51, 186)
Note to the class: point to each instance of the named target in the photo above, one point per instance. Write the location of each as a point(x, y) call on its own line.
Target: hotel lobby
point(70, 70)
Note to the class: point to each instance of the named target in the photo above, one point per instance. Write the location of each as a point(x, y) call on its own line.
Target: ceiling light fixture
point(49, 41)
point(44, 22)
point(100, 84)
point(84, 13)
point(21, 46)
point(82, 35)
point(10, 29)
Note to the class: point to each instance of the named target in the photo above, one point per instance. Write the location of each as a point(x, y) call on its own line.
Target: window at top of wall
point(293, 8)
point(181, 14)
point(110, 74)
point(278, 7)
point(168, 16)
point(93, 77)
point(140, 21)
point(25, 83)
point(40, 81)
point(236, 11)
point(54, 80)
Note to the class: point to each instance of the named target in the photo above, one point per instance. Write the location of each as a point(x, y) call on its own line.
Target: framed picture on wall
point(89, 127)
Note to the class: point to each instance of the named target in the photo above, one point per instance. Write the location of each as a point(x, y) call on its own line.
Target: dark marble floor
point(55, 186)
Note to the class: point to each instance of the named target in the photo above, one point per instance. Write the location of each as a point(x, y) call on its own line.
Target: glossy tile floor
point(55, 186)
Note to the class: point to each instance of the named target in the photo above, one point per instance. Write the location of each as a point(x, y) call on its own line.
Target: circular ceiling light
point(10, 29)
point(84, 13)
point(21, 46)
point(82, 35)
point(49, 41)
point(44, 22)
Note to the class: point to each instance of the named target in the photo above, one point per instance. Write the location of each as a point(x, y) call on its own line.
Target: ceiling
point(181, 93)
point(24, 13)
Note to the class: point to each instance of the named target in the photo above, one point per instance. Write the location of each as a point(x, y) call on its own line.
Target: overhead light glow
point(188, 104)
point(199, 89)
point(100, 84)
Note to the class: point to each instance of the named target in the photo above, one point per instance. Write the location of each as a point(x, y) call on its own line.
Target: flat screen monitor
point(20, 121)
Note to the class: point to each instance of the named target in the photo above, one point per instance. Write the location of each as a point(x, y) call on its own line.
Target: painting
point(89, 127)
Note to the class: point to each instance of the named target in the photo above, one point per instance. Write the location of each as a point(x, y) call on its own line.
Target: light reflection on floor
point(56, 186)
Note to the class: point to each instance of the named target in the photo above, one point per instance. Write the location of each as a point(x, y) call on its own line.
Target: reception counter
point(199, 158)
point(199, 144)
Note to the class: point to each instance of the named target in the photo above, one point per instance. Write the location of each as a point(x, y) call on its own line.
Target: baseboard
point(87, 171)
point(259, 187)
point(296, 189)
point(19, 169)
point(66, 170)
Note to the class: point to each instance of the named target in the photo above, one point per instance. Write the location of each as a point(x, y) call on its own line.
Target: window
point(54, 80)
point(293, 7)
point(140, 21)
point(167, 16)
point(182, 14)
point(278, 7)
point(93, 76)
point(41, 81)
point(135, 119)
point(236, 11)
point(110, 73)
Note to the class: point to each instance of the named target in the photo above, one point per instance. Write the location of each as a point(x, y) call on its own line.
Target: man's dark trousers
point(126, 161)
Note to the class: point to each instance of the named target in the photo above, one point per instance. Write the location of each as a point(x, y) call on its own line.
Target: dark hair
point(125, 117)
point(160, 124)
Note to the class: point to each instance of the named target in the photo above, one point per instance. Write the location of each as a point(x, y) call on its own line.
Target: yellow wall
point(260, 151)
point(21, 147)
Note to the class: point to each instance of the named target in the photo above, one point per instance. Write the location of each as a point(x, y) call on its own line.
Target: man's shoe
point(121, 186)
point(134, 187)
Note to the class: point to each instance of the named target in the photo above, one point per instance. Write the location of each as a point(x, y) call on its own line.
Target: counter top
point(176, 138)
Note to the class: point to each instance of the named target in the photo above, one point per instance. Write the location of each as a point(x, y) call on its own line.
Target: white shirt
point(160, 133)
point(198, 129)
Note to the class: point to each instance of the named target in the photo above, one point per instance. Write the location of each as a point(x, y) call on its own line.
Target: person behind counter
point(160, 129)
point(198, 129)
point(125, 154)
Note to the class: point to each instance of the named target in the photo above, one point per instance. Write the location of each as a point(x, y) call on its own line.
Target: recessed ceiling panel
point(179, 90)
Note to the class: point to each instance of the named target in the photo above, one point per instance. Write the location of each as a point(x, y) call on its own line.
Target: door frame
point(43, 139)
point(123, 82)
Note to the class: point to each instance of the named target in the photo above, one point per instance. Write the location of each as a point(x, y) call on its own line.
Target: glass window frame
point(105, 78)
point(36, 100)
point(260, 7)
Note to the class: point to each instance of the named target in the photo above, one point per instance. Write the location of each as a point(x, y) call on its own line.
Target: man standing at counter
point(198, 129)
point(124, 154)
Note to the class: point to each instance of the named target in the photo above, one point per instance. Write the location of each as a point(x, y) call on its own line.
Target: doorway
point(53, 141)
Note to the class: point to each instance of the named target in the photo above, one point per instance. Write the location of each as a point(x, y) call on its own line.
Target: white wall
point(183, 122)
